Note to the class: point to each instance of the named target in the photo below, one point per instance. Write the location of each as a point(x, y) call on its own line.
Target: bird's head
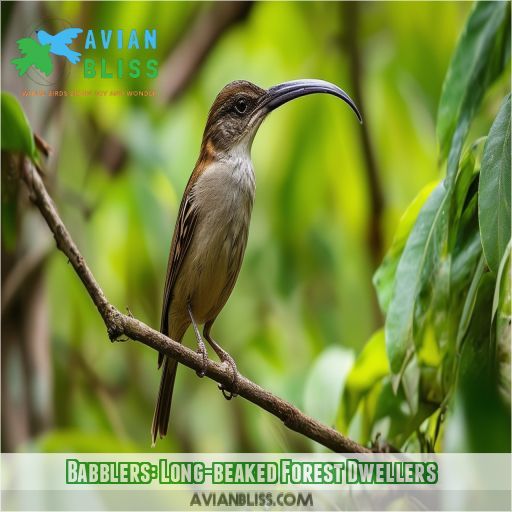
point(43, 36)
point(240, 108)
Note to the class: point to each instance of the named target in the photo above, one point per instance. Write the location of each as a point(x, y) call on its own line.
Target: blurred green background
point(329, 196)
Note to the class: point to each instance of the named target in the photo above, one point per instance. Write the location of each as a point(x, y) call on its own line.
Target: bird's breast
point(223, 196)
point(225, 187)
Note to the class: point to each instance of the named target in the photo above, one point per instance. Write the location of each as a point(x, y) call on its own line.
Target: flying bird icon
point(35, 55)
point(58, 43)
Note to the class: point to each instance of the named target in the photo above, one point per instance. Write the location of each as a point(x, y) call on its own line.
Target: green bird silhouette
point(34, 54)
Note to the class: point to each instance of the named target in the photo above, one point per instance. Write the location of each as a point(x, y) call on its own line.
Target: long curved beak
point(287, 91)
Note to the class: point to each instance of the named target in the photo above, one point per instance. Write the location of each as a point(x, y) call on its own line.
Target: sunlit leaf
point(370, 366)
point(429, 353)
point(384, 277)
point(494, 190)
point(418, 260)
point(16, 131)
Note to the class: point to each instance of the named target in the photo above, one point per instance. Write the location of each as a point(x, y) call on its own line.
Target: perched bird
point(58, 43)
point(213, 221)
point(35, 55)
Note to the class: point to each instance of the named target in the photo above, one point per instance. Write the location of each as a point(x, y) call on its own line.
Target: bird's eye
point(241, 106)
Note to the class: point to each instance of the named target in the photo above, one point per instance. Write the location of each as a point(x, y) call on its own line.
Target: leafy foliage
point(482, 53)
point(16, 132)
point(494, 189)
point(437, 282)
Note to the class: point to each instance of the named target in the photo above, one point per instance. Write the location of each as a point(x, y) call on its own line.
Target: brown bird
point(210, 236)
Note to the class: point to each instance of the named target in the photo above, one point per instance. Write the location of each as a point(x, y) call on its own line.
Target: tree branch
point(118, 325)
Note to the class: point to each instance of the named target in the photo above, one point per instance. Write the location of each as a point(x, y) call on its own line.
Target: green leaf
point(479, 59)
point(16, 132)
point(393, 417)
point(487, 415)
point(370, 366)
point(465, 246)
point(423, 275)
point(411, 385)
point(476, 345)
point(494, 189)
point(469, 304)
point(502, 308)
point(421, 253)
point(465, 189)
point(501, 278)
point(384, 277)
point(325, 382)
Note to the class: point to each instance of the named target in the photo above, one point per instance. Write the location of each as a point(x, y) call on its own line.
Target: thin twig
point(42, 145)
point(118, 324)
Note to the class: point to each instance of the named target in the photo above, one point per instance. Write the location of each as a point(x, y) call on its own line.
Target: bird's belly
point(210, 268)
point(223, 197)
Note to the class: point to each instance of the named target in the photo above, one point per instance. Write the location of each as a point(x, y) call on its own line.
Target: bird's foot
point(228, 361)
point(201, 349)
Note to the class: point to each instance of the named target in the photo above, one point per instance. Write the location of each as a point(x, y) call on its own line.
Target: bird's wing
point(43, 61)
point(66, 36)
point(28, 46)
point(183, 233)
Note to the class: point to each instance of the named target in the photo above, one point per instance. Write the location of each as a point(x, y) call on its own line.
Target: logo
point(36, 52)
point(108, 53)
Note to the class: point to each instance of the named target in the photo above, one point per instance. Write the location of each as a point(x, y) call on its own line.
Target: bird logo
point(37, 53)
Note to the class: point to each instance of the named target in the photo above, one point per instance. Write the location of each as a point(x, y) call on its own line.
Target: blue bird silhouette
point(58, 43)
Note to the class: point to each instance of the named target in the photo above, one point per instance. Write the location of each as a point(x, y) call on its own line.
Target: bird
point(34, 54)
point(213, 220)
point(58, 43)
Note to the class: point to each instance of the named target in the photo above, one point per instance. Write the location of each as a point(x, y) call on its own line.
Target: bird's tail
point(73, 57)
point(22, 64)
point(163, 402)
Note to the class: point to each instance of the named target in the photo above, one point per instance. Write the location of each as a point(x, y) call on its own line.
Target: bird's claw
point(233, 392)
point(228, 395)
